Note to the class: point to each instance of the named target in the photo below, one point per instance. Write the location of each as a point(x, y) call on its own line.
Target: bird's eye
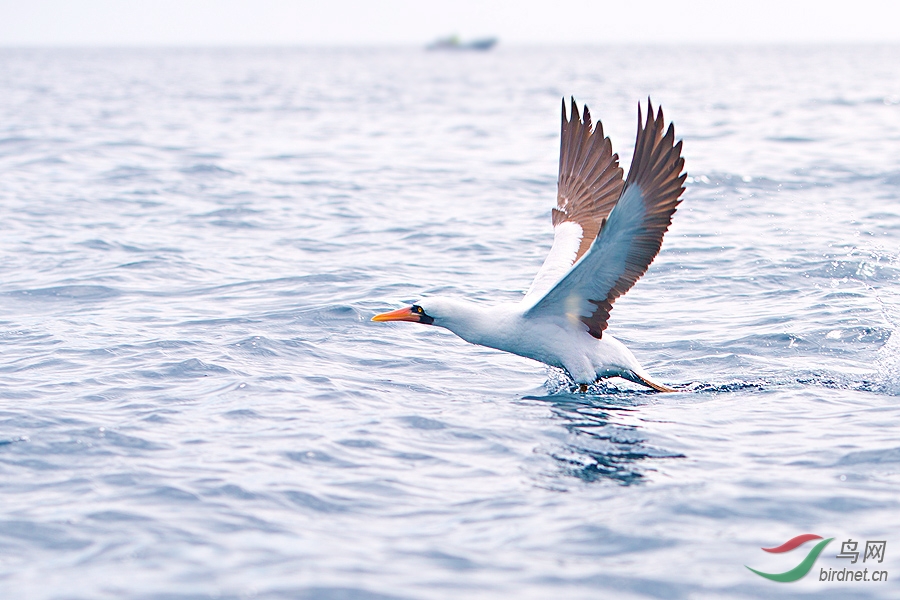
point(418, 309)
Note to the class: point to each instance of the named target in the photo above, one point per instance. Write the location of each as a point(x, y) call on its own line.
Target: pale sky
point(403, 22)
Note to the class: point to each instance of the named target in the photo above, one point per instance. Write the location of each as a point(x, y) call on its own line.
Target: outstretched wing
point(590, 181)
point(630, 238)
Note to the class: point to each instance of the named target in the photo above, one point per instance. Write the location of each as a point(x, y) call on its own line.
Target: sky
point(409, 22)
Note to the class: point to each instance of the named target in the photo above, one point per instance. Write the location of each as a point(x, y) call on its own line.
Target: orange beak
point(402, 314)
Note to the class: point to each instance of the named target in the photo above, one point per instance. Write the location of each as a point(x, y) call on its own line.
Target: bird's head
point(468, 320)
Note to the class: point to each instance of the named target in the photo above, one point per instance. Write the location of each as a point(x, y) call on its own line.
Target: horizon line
point(423, 45)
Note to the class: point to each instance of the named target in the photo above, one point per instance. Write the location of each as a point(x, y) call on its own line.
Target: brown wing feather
point(590, 179)
point(656, 168)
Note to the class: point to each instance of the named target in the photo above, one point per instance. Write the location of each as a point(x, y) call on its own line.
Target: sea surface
point(195, 404)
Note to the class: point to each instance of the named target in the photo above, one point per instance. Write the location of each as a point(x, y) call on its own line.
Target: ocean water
point(194, 403)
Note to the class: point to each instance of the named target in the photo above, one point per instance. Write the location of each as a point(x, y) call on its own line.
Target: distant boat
point(454, 43)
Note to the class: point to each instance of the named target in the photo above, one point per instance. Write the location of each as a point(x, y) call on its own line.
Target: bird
point(607, 231)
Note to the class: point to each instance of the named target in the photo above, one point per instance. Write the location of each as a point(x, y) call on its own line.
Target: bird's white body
point(551, 341)
point(607, 231)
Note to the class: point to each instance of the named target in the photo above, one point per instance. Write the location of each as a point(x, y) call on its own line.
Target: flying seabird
point(607, 231)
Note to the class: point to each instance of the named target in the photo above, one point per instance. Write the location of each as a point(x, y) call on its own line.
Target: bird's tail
point(644, 379)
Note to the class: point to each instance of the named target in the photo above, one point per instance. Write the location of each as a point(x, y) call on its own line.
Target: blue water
point(196, 405)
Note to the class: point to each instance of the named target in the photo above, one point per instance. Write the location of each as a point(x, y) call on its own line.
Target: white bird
point(607, 231)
